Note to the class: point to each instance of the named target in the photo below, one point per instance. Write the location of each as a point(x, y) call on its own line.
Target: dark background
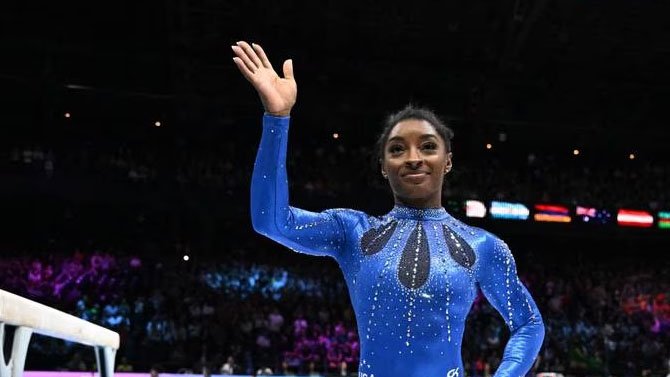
point(570, 72)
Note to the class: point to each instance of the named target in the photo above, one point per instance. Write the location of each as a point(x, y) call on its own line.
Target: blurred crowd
point(341, 169)
point(602, 317)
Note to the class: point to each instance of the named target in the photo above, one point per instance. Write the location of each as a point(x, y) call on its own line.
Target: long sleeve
point(303, 231)
point(498, 279)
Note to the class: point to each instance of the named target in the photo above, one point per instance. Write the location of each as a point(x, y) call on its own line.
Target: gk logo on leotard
point(452, 373)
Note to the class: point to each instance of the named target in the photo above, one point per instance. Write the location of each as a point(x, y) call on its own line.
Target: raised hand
point(277, 94)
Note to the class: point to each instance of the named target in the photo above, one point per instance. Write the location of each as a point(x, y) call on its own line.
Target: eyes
point(399, 148)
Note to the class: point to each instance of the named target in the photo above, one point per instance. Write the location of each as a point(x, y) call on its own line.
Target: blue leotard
point(412, 274)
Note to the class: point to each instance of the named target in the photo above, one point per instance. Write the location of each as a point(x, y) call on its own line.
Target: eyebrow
point(422, 137)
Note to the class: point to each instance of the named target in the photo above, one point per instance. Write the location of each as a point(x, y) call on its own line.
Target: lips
point(415, 177)
point(415, 174)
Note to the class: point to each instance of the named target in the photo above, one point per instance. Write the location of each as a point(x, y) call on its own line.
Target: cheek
point(391, 165)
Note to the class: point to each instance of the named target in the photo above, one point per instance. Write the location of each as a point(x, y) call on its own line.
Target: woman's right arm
point(303, 231)
point(271, 215)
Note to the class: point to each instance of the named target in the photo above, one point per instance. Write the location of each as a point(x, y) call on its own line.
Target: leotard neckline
point(404, 212)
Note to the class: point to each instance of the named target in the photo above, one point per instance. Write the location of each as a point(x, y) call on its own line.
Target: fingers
point(251, 54)
point(261, 54)
point(288, 69)
point(243, 68)
point(241, 55)
point(251, 58)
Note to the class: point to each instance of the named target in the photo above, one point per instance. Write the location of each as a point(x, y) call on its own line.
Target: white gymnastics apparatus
point(29, 316)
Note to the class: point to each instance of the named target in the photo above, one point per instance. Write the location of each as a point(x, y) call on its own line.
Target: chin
point(415, 194)
point(420, 191)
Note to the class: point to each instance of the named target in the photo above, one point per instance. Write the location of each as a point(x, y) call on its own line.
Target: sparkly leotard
point(412, 274)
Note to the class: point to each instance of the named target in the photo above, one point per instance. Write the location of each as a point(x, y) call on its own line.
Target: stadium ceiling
point(575, 63)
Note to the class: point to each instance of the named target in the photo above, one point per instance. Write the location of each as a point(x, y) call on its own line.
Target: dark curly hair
point(412, 112)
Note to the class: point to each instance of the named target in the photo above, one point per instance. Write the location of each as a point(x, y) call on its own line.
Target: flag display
point(510, 211)
point(475, 208)
point(635, 218)
point(664, 220)
point(552, 213)
point(593, 215)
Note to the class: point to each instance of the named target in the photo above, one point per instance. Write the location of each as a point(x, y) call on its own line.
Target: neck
point(419, 202)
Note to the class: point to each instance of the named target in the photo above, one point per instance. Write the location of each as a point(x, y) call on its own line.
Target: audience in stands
point(236, 318)
point(630, 183)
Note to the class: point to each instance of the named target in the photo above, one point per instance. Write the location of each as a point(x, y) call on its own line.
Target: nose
point(414, 165)
point(414, 159)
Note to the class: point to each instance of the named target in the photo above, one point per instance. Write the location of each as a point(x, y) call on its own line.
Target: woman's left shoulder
point(468, 231)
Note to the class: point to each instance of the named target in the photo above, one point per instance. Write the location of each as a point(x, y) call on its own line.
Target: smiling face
point(415, 163)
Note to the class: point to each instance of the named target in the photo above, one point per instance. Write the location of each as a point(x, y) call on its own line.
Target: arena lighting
point(489, 146)
point(67, 115)
point(593, 215)
point(664, 220)
point(631, 156)
point(186, 258)
point(634, 218)
point(509, 211)
point(575, 152)
point(552, 213)
point(475, 208)
point(78, 87)
point(157, 124)
point(336, 135)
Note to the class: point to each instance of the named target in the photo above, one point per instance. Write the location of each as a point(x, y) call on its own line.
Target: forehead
point(412, 128)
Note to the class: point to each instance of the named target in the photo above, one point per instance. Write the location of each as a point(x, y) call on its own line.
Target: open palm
point(277, 94)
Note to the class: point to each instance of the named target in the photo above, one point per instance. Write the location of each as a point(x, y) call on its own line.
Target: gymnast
point(412, 274)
